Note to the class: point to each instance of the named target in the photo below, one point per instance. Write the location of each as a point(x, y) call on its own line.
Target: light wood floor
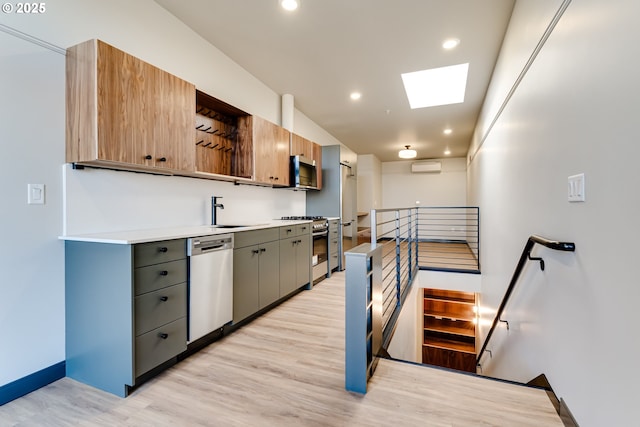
point(446, 255)
point(287, 369)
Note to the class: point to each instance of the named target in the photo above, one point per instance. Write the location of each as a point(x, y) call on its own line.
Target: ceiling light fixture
point(450, 43)
point(447, 131)
point(447, 152)
point(355, 95)
point(407, 153)
point(289, 4)
point(437, 86)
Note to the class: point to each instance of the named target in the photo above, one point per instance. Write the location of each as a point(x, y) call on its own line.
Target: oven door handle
point(320, 233)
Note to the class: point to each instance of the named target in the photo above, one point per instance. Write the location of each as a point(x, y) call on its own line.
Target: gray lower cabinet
point(333, 244)
point(295, 259)
point(256, 271)
point(126, 308)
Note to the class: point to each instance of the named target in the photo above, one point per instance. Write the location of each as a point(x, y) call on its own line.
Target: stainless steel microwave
point(303, 173)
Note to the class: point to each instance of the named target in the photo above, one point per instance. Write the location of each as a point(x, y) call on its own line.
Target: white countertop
point(129, 237)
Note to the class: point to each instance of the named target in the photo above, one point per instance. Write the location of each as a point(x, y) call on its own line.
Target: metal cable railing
point(380, 274)
point(449, 238)
point(396, 231)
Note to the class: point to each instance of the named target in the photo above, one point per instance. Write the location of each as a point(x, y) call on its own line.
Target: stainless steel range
point(320, 235)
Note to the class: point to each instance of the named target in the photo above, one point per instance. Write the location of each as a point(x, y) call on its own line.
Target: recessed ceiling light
point(447, 131)
point(450, 43)
point(289, 4)
point(447, 152)
point(407, 153)
point(355, 95)
point(437, 86)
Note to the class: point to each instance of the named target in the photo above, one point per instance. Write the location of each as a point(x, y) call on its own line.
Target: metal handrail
point(526, 256)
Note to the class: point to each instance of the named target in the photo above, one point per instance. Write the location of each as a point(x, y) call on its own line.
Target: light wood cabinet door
point(173, 122)
point(301, 146)
point(271, 145)
point(121, 109)
point(317, 156)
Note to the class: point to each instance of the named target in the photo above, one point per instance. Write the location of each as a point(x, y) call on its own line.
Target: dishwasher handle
point(206, 244)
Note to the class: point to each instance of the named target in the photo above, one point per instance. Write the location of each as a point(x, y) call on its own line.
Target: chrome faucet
point(214, 205)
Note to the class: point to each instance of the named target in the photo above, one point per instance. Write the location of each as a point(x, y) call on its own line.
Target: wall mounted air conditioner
point(426, 167)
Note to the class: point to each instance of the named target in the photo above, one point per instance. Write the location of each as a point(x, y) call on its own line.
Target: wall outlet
point(575, 192)
point(35, 194)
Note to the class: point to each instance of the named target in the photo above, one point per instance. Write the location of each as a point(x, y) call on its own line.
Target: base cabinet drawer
point(159, 345)
point(333, 261)
point(158, 308)
point(157, 276)
point(158, 252)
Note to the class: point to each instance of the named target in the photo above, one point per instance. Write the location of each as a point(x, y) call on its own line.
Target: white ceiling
point(328, 48)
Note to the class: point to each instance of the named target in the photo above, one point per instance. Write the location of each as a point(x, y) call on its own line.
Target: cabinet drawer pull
point(255, 251)
point(164, 298)
point(163, 249)
point(164, 273)
point(148, 157)
point(298, 241)
point(263, 250)
point(162, 159)
point(163, 335)
point(289, 230)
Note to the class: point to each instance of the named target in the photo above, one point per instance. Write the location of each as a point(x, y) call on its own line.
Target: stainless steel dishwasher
point(210, 283)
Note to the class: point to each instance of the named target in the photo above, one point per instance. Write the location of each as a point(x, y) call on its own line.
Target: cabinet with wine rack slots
point(449, 333)
point(219, 149)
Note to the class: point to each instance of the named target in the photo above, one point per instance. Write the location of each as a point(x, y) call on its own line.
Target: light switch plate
point(35, 194)
point(575, 192)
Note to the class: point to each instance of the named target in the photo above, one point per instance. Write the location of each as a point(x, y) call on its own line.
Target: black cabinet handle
point(164, 273)
point(263, 250)
point(162, 159)
point(289, 230)
point(255, 251)
point(148, 157)
point(163, 298)
point(276, 178)
point(163, 249)
point(163, 335)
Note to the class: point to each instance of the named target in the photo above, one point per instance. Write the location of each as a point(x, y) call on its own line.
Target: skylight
point(437, 86)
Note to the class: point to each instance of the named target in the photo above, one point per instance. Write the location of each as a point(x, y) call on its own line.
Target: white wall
point(31, 257)
point(369, 186)
point(402, 189)
point(574, 111)
point(32, 134)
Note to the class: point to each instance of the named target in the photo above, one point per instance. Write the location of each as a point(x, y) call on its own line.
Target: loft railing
point(526, 256)
point(449, 238)
point(379, 274)
point(396, 231)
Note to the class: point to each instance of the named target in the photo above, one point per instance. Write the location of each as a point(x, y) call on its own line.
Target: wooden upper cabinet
point(303, 147)
point(271, 150)
point(317, 156)
point(121, 109)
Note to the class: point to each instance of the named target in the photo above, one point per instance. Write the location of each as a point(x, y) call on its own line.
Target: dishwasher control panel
point(204, 244)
